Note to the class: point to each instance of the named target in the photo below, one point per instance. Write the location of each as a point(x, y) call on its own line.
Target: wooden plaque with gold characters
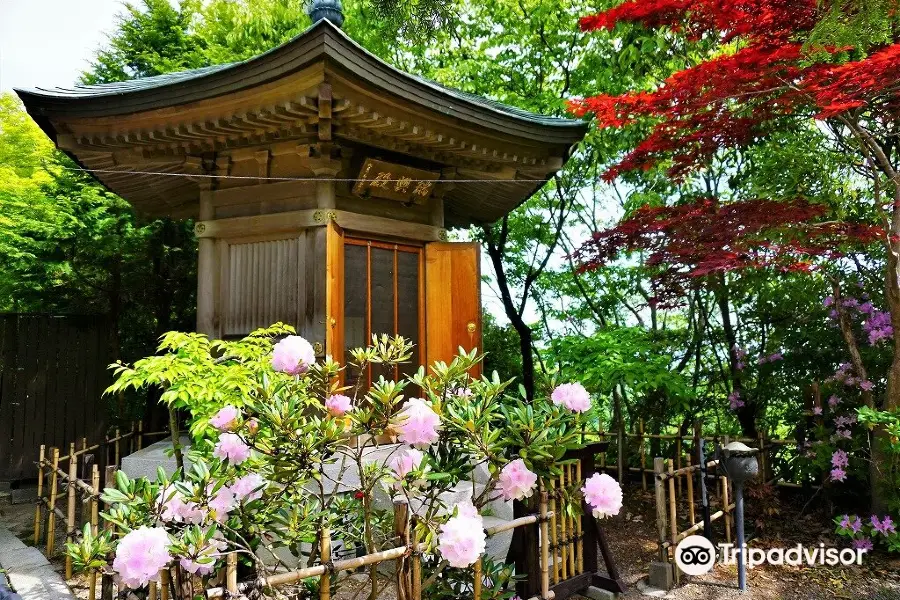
point(395, 182)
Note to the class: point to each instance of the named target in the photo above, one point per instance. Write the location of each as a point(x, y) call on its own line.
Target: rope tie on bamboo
point(329, 567)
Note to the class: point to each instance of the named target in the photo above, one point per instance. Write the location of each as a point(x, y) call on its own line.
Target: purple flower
point(844, 433)
point(293, 355)
point(740, 366)
point(817, 410)
point(833, 314)
point(828, 301)
point(856, 525)
point(866, 308)
point(734, 399)
point(845, 522)
point(833, 401)
point(838, 474)
point(863, 544)
point(866, 385)
point(840, 459)
point(776, 356)
point(885, 526)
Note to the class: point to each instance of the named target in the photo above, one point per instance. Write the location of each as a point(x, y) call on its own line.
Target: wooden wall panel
point(452, 299)
point(334, 326)
point(263, 285)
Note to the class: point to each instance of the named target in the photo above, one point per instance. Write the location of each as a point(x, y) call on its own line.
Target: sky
point(48, 43)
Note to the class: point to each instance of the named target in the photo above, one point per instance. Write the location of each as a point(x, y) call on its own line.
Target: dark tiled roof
point(124, 88)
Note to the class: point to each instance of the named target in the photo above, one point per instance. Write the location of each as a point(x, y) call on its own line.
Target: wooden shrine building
point(322, 181)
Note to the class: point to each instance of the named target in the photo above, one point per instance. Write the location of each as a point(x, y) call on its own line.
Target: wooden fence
point(560, 554)
point(632, 449)
point(79, 480)
point(53, 371)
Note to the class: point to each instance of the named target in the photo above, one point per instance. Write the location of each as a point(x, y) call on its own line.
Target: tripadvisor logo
point(696, 555)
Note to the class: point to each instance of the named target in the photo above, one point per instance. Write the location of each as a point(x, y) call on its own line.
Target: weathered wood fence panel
point(53, 370)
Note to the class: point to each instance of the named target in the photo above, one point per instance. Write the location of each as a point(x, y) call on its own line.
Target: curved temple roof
point(169, 122)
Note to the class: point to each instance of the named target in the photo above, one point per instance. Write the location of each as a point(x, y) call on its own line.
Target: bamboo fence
point(69, 486)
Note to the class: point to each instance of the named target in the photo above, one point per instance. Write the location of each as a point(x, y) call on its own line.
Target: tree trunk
point(746, 414)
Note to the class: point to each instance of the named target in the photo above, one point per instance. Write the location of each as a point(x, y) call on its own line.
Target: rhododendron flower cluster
point(293, 355)
point(884, 526)
point(405, 462)
point(734, 400)
point(838, 474)
point(338, 405)
point(176, 508)
point(141, 555)
point(462, 539)
point(573, 396)
point(876, 324)
point(232, 448)
point(226, 419)
point(603, 494)
point(202, 561)
point(840, 459)
point(221, 503)
point(418, 423)
point(516, 481)
point(248, 488)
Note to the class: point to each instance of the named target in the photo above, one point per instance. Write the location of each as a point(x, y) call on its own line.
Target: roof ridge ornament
point(329, 10)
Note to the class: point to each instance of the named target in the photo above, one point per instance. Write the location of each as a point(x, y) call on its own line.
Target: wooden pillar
point(659, 468)
point(206, 272)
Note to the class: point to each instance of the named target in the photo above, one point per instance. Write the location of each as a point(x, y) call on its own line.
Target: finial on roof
point(327, 9)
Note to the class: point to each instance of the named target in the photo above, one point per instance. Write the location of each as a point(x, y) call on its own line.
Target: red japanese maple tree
point(759, 75)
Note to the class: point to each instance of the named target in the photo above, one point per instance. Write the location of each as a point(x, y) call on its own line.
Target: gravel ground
point(632, 542)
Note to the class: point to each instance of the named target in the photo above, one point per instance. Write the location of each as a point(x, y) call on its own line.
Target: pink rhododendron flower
point(418, 423)
point(573, 396)
point(516, 481)
point(252, 427)
point(833, 401)
point(141, 555)
point(249, 487)
point(226, 419)
point(222, 503)
point(603, 495)
point(462, 538)
point(817, 410)
point(463, 392)
point(231, 447)
point(176, 508)
point(734, 400)
point(406, 461)
point(293, 355)
point(838, 474)
point(202, 562)
point(338, 405)
point(866, 385)
point(840, 459)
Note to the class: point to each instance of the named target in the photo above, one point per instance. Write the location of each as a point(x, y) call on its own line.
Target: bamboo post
point(116, 449)
point(231, 571)
point(603, 454)
point(95, 499)
point(545, 554)
point(40, 495)
point(151, 592)
point(416, 563)
point(106, 586)
point(762, 456)
point(84, 447)
point(689, 479)
point(476, 584)
point(659, 468)
point(401, 530)
point(726, 512)
point(579, 542)
point(92, 585)
point(563, 543)
point(164, 584)
point(51, 518)
point(570, 472)
point(643, 455)
point(673, 518)
point(678, 444)
point(620, 450)
point(554, 536)
point(70, 514)
point(140, 434)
